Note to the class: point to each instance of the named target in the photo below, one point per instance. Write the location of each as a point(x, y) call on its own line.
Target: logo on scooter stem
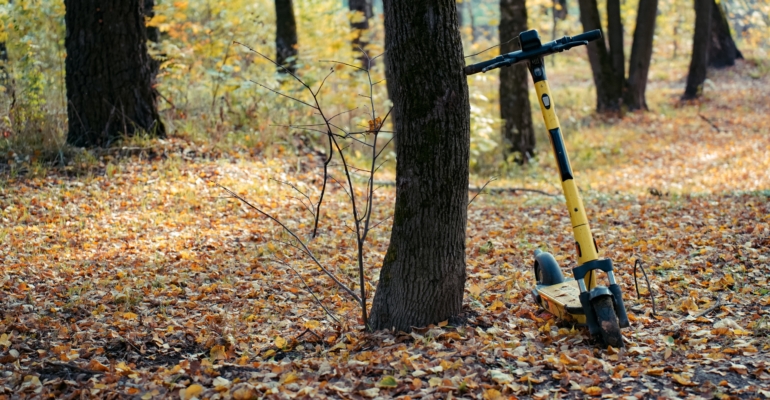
point(546, 101)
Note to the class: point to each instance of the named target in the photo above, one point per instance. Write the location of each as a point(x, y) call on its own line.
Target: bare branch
point(306, 287)
point(324, 81)
point(481, 190)
point(284, 95)
point(290, 232)
point(344, 63)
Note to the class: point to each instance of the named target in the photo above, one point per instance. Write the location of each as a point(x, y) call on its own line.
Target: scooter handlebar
point(555, 46)
point(589, 36)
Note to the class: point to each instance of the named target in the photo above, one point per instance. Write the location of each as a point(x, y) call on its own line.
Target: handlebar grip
point(476, 68)
point(589, 36)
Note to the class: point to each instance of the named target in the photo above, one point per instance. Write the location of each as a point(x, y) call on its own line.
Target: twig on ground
point(495, 285)
point(706, 311)
point(306, 331)
point(713, 125)
point(74, 367)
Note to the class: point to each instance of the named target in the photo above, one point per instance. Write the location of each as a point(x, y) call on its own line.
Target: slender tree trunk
point(615, 33)
point(560, 9)
point(472, 20)
point(518, 134)
point(3, 62)
point(153, 35)
point(108, 72)
point(4, 76)
point(641, 55)
point(723, 50)
point(285, 35)
point(423, 274)
point(362, 12)
point(608, 92)
point(700, 49)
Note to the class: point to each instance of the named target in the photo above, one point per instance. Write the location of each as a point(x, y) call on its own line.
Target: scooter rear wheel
point(608, 321)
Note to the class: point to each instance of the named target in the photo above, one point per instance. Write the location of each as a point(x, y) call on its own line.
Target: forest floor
point(141, 279)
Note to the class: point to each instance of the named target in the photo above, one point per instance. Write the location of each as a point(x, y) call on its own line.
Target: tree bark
point(362, 12)
point(641, 55)
point(285, 35)
point(700, 49)
point(615, 33)
point(423, 274)
point(723, 50)
point(518, 134)
point(608, 92)
point(108, 72)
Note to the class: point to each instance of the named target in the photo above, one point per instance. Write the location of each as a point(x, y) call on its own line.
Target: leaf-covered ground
point(140, 279)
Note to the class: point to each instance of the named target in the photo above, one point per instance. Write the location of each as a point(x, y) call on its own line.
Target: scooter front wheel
point(608, 321)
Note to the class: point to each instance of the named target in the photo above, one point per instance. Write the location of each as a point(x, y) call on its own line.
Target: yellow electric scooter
point(579, 300)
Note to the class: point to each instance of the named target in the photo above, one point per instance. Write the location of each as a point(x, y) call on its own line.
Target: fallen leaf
point(592, 390)
point(95, 365)
point(387, 381)
point(191, 391)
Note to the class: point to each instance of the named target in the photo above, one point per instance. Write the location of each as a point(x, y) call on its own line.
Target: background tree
point(560, 9)
point(700, 49)
point(108, 72)
point(608, 67)
point(615, 39)
point(722, 50)
point(518, 134)
point(285, 35)
point(362, 12)
point(641, 55)
point(423, 273)
point(608, 90)
point(3, 61)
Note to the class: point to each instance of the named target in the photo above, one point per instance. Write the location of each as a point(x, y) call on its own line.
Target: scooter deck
point(563, 300)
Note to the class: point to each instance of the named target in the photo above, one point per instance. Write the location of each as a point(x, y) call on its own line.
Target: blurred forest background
point(208, 95)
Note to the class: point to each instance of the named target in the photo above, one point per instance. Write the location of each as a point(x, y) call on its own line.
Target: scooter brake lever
point(505, 63)
point(566, 46)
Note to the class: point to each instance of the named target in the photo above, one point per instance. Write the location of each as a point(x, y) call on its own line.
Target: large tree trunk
point(518, 134)
point(615, 33)
point(641, 54)
point(423, 274)
point(608, 92)
point(285, 35)
point(723, 50)
point(108, 72)
point(700, 49)
point(362, 12)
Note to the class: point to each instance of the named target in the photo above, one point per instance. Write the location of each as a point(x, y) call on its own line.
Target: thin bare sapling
point(337, 140)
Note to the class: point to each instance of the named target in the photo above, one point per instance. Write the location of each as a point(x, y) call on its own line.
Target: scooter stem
point(584, 241)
